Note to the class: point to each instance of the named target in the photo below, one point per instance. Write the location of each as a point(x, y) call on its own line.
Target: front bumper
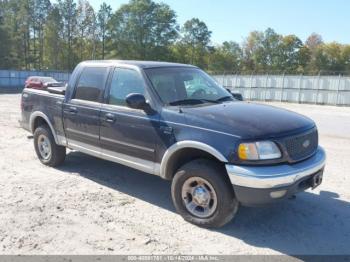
point(255, 185)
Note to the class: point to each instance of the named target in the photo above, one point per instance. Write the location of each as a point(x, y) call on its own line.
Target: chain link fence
point(325, 90)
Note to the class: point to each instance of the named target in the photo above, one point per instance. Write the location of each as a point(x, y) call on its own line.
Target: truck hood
point(247, 120)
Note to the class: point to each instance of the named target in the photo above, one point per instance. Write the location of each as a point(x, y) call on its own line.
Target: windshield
point(47, 79)
point(180, 85)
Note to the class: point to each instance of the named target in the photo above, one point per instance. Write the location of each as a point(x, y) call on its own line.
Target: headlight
point(259, 151)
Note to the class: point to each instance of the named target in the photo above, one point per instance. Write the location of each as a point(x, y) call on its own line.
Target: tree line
point(42, 35)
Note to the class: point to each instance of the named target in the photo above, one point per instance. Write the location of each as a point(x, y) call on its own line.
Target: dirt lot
point(91, 206)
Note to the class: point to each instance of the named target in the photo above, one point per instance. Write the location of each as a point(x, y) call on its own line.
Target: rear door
point(81, 114)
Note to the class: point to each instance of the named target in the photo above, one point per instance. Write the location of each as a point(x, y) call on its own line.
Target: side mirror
point(136, 101)
point(237, 96)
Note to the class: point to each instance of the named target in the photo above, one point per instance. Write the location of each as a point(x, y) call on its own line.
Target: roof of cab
point(141, 64)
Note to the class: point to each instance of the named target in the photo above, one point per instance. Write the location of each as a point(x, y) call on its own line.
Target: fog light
point(278, 194)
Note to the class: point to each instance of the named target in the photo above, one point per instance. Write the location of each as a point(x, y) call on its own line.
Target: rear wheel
point(203, 194)
point(48, 152)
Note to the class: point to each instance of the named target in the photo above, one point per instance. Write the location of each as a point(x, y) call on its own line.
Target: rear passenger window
point(91, 83)
point(125, 82)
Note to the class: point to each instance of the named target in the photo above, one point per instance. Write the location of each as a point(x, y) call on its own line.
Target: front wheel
point(48, 152)
point(203, 194)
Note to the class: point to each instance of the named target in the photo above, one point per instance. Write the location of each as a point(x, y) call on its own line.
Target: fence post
point(338, 90)
point(226, 80)
point(282, 87)
point(231, 80)
point(223, 79)
point(299, 95)
point(267, 77)
point(318, 87)
point(235, 85)
point(251, 87)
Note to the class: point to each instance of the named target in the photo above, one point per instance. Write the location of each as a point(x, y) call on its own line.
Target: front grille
point(302, 146)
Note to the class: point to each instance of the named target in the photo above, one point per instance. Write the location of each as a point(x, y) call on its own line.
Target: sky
point(233, 20)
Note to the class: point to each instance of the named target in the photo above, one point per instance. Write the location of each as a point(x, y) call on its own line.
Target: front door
point(128, 135)
point(81, 114)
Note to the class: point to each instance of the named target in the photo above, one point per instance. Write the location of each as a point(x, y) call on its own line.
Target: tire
point(44, 142)
point(193, 177)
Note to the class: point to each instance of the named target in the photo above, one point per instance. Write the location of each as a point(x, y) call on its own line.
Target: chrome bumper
point(263, 177)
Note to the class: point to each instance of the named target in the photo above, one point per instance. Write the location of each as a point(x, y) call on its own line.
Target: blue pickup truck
point(176, 122)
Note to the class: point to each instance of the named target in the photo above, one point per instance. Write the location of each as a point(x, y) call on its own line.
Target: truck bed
point(41, 100)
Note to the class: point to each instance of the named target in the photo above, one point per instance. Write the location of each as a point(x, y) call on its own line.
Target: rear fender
point(59, 140)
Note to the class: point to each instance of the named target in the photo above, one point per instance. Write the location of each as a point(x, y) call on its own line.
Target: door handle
point(71, 110)
point(110, 118)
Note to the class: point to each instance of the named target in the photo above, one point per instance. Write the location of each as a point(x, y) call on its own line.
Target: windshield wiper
point(192, 102)
point(224, 98)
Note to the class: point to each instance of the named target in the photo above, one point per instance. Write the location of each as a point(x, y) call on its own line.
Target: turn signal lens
point(248, 151)
point(259, 151)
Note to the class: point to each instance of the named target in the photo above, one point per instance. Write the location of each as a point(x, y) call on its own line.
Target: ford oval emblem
point(306, 143)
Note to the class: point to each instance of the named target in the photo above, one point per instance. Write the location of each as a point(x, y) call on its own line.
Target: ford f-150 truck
point(176, 122)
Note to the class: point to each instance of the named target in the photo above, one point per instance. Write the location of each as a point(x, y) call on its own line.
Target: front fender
point(190, 145)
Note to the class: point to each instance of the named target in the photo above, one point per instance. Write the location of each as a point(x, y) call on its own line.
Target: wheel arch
point(38, 117)
point(183, 152)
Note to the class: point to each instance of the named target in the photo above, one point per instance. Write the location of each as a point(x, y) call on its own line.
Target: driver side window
point(124, 82)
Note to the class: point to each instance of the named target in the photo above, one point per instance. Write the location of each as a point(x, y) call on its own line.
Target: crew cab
point(174, 121)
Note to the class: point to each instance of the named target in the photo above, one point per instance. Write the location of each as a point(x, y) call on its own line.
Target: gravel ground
point(91, 206)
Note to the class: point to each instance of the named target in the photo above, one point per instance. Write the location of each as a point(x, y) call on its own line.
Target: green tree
point(271, 52)
point(103, 17)
point(68, 12)
point(290, 57)
point(5, 43)
point(196, 37)
point(225, 58)
point(19, 21)
point(86, 25)
point(36, 34)
point(346, 57)
point(304, 58)
point(54, 57)
point(143, 29)
point(41, 9)
point(252, 48)
point(329, 58)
